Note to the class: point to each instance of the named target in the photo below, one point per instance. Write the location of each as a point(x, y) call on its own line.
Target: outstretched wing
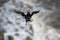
point(18, 12)
point(34, 12)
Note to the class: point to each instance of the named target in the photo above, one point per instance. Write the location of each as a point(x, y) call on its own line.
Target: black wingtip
point(18, 12)
point(35, 11)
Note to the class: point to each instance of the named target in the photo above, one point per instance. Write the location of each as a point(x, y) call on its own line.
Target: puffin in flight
point(28, 15)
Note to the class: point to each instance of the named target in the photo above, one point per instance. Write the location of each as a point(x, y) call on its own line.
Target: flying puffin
point(26, 16)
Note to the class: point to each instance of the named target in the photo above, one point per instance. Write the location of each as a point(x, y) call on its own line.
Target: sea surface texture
point(29, 19)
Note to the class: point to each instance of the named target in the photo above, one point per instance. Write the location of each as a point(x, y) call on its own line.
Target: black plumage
point(27, 16)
